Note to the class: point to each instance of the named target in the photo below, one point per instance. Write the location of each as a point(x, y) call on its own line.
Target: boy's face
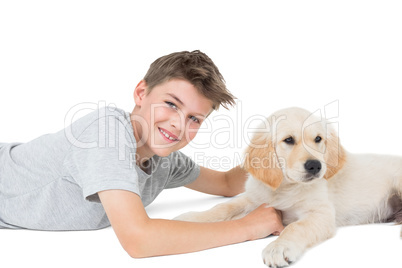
point(168, 118)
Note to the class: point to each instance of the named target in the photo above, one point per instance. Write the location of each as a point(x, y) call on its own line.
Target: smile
point(167, 136)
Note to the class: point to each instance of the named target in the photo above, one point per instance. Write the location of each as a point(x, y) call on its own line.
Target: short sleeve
point(102, 157)
point(184, 170)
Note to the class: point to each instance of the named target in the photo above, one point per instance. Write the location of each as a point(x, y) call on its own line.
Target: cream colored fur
point(349, 188)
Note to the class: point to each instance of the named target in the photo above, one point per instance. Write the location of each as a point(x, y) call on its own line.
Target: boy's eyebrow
point(181, 103)
point(176, 98)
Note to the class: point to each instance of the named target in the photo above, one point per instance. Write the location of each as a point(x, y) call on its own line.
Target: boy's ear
point(140, 92)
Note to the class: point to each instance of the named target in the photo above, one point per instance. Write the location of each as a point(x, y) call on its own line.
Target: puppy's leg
point(397, 215)
point(233, 209)
point(297, 237)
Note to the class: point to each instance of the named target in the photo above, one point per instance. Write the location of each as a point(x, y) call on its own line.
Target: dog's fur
point(337, 188)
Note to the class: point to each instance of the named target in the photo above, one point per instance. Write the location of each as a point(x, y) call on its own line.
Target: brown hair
point(195, 67)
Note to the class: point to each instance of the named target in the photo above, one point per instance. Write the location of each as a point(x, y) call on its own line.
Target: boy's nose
point(176, 121)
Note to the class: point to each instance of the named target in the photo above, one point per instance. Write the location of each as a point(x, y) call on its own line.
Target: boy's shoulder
point(106, 113)
point(102, 120)
point(109, 111)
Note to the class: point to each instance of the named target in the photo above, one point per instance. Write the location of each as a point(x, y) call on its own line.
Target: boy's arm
point(141, 236)
point(229, 183)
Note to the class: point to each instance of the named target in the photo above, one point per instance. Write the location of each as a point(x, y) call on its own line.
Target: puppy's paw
point(281, 253)
point(194, 217)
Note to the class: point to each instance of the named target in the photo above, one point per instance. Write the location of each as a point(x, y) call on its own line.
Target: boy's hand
point(262, 222)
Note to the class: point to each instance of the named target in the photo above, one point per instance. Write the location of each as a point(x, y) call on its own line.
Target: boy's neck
point(142, 155)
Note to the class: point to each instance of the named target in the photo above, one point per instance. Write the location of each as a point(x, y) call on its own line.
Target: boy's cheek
point(191, 133)
point(160, 113)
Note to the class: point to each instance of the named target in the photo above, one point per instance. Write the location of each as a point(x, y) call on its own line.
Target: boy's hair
point(195, 67)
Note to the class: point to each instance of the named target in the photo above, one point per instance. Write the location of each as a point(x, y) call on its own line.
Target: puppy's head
point(294, 145)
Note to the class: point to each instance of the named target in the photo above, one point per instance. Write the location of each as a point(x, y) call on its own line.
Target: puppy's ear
point(261, 161)
point(335, 155)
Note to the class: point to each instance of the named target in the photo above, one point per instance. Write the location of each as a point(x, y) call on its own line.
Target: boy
point(107, 166)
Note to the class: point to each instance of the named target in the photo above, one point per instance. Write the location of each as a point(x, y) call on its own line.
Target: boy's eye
point(171, 104)
point(195, 119)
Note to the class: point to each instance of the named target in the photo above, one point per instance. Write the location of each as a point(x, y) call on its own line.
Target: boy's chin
point(163, 152)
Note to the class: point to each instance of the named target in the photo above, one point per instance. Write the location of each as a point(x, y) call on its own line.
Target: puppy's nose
point(312, 166)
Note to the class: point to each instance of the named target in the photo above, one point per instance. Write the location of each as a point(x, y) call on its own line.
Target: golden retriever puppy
point(297, 165)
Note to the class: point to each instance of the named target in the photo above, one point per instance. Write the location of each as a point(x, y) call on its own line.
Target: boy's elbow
point(136, 251)
point(136, 246)
point(141, 245)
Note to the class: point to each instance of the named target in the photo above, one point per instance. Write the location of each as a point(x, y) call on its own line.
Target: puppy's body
point(284, 198)
point(314, 182)
point(366, 188)
point(357, 196)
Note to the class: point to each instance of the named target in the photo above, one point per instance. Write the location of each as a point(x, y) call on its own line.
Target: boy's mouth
point(167, 135)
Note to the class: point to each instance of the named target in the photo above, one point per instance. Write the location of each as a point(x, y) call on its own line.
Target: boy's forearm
point(166, 237)
point(236, 178)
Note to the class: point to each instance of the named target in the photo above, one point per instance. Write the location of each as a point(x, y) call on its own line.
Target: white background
point(273, 54)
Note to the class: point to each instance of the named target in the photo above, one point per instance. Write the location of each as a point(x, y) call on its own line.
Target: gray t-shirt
point(51, 183)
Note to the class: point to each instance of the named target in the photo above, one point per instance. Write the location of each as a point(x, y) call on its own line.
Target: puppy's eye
point(289, 140)
point(318, 139)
